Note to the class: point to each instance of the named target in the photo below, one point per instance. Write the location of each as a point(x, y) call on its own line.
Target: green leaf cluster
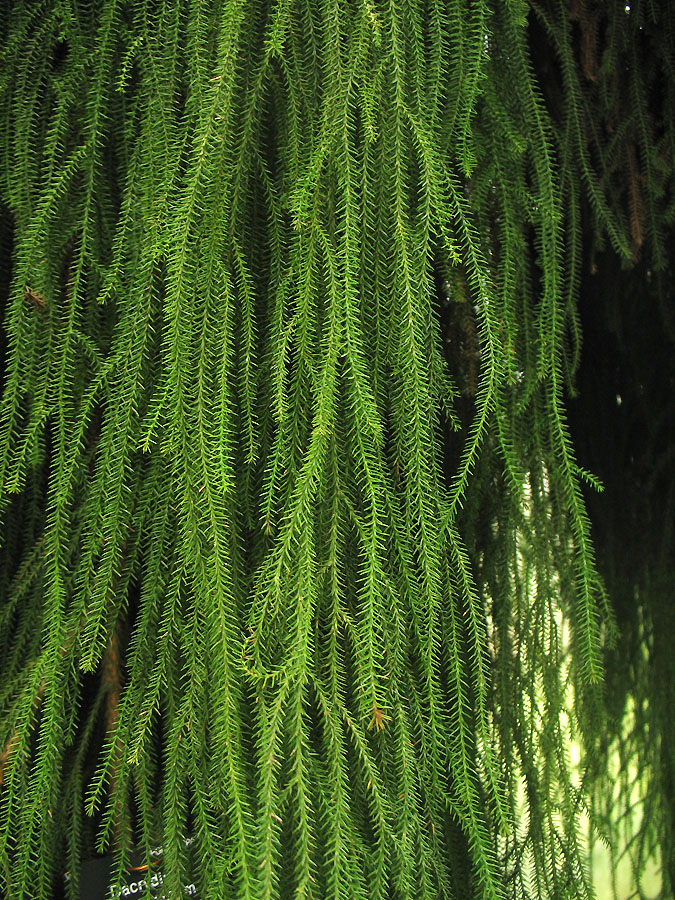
point(291, 519)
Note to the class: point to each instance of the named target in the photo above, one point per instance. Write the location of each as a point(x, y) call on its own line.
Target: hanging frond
point(292, 524)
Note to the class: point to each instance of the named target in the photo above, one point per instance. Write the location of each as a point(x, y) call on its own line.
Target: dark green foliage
point(630, 397)
point(293, 530)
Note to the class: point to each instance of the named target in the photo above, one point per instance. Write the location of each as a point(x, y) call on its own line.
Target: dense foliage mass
point(295, 556)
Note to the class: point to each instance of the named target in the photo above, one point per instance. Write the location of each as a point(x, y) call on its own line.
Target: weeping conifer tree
point(295, 557)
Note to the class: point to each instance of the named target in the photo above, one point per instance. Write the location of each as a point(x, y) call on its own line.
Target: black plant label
point(96, 879)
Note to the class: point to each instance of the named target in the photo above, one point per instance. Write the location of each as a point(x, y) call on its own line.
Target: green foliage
point(291, 515)
point(633, 396)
